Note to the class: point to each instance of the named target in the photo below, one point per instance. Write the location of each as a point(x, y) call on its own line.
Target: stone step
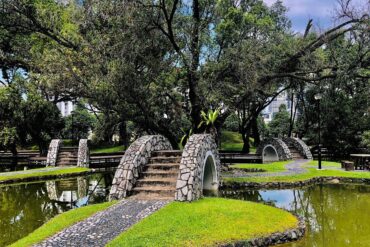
point(160, 174)
point(67, 154)
point(155, 191)
point(162, 166)
point(164, 159)
point(163, 182)
point(167, 153)
point(67, 159)
point(66, 164)
point(68, 148)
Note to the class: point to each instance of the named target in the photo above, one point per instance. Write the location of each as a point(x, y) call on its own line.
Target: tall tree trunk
point(123, 135)
point(245, 135)
point(193, 70)
point(256, 132)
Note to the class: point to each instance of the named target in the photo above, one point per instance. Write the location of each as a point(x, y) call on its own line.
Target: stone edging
point(46, 177)
point(289, 235)
point(284, 185)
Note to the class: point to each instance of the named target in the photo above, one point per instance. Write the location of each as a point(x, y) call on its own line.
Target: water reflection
point(25, 207)
point(336, 215)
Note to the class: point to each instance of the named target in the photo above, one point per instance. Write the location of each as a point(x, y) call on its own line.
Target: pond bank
point(43, 174)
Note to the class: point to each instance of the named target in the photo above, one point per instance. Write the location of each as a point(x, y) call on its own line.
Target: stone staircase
point(67, 156)
point(296, 155)
point(158, 179)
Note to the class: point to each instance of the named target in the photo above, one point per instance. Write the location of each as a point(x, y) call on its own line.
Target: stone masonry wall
point(132, 163)
point(280, 146)
point(53, 152)
point(83, 158)
point(303, 149)
point(189, 184)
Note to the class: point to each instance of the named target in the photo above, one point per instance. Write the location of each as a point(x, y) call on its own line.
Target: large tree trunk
point(193, 70)
point(245, 135)
point(123, 135)
point(256, 132)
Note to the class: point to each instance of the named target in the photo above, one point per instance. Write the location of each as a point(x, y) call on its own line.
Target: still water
point(336, 215)
point(25, 207)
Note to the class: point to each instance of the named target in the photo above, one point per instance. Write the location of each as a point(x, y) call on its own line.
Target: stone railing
point(199, 168)
point(281, 148)
point(83, 153)
point(133, 161)
point(300, 146)
point(53, 152)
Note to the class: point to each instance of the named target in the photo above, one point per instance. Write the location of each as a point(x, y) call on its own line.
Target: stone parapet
point(199, 168)
point(53, 150)
point(83, 158)
point(133, 161)
point(303, 149)
point(279, 145)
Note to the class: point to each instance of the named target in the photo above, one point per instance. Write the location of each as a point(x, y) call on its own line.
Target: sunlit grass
point(60, 222)
point(207, 222)
point(41, 173)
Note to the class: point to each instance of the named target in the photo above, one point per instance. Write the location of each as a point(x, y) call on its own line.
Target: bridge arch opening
point(210, 182)
point(269, 154)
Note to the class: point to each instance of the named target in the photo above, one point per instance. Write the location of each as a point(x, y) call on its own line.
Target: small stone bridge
point(150, 169)
point(58, 155)
point(275, 149)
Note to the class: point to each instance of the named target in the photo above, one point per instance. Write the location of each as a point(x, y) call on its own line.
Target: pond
point(335, 214)
point(25, 207)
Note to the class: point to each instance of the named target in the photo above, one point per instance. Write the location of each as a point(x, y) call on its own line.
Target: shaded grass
point(207, 222)
point(113, 149)
point(60, 222)
point(233, 141)
point(39, 173)
point(278, 166)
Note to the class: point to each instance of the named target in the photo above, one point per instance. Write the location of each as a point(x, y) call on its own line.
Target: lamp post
point(318, 97)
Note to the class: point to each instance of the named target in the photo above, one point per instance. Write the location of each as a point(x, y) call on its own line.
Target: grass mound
point(206, 222)
point(60, 222)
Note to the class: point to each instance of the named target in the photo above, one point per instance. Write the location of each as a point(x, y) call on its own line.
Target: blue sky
point(321, 11)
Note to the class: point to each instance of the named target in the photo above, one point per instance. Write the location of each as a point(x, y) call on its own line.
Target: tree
point(78, 124)
point(280, 124)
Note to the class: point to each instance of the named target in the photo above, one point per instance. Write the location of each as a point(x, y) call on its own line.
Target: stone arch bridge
point(275, 149)
point(151, 169)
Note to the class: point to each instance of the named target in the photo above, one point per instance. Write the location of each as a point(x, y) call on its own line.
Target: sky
point(321, 11)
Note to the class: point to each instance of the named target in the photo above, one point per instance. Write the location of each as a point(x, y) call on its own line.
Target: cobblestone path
point(104, 226)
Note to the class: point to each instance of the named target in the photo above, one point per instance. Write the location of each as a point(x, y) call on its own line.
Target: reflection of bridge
point(81, 188)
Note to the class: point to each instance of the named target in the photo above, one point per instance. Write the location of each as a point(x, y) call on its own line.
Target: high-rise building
point(283, 98)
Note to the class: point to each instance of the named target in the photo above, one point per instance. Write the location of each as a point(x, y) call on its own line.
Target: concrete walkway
point(104, 226)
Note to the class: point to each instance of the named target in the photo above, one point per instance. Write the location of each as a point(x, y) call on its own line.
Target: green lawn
point(269, 167)
point(232, 141)
point(41, 172)
point(108, 149)
point(60, 222)
point(207, 222)
point(312, 172)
